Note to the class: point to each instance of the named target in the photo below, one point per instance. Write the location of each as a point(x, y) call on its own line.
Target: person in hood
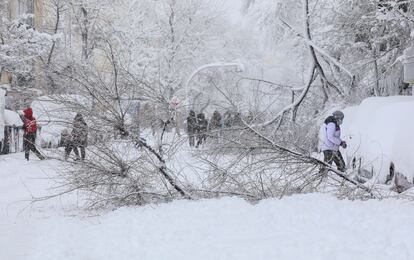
point(201, 128)
point(191, 127)
point(331, 140)
point(29, 136)
point(215, 124)
point(215, 121)
point(79, 138)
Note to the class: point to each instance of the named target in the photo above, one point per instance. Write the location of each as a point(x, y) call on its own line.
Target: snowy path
point(299, 227)
point(20, 220)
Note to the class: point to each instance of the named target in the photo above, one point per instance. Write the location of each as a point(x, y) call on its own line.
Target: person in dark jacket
point(227, 119)
point(65, 137)
point(237, 119)
point(191, 127)
point(78, 139)
point(29, 136)
point(215, 123)
point(201, 126)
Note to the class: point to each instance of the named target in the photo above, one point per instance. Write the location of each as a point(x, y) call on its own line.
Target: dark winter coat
point(215, 121)
point(202, 123)
point(237, 120)
point(79, 131)
point(65, 138)
point(227, 120)
point(191, 122)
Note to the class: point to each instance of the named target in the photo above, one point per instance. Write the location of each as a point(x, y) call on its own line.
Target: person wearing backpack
point(29, 136)
point(79, 138)
point(331, 140)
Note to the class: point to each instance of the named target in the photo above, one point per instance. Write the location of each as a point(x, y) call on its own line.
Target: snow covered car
point(378, 133)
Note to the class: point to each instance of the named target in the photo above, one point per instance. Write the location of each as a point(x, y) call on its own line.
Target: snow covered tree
point(21, 46)
point(369, 36)
point(365, 37)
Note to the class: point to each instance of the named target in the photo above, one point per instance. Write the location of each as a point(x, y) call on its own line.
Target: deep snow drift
point(298, 227)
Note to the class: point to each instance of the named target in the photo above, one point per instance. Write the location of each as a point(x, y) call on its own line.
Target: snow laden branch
point(163, 169)
point(296, 103)
point(321, 51)
point(315, 66)
point(283, 86)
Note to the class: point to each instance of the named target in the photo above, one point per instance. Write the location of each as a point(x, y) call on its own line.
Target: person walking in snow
point(227, 119)
point(215, 124)
point(331, 140)
point(29, 136)
point(79, 138)
point(201, 127)
point(191, 127)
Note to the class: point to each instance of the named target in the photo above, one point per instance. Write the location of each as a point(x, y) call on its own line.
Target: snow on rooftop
point(12, 118)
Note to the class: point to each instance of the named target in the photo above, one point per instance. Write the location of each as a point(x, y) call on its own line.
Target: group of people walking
point(71, 141)
point(198, 126)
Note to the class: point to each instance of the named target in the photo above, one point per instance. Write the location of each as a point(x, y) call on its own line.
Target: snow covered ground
point(312, 226)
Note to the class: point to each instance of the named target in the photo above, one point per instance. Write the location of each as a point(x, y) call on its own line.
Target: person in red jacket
point(29, 137)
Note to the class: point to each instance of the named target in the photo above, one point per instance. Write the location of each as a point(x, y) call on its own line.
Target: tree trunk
point(376, 76)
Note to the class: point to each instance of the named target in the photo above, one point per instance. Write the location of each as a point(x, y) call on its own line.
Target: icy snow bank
point(380, 130)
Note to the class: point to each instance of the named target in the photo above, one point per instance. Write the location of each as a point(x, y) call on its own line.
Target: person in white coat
point(331, 140)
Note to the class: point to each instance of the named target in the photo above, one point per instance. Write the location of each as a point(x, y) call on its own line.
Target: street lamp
point(239, 68)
